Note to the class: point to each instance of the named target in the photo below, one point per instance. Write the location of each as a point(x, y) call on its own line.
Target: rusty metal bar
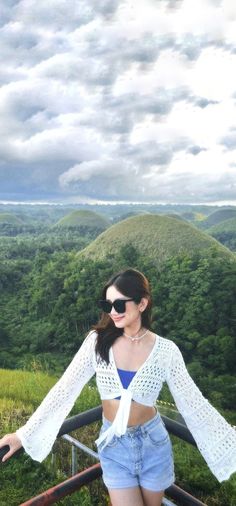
point(184, 497)
point(73, 484)
point(68, 487)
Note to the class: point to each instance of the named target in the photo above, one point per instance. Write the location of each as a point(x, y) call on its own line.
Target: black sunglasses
point(118, 304)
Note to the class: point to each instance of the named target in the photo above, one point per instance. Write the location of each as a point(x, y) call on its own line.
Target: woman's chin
point(119, 322)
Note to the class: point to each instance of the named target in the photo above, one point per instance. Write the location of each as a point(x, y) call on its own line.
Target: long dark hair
point(133, 284)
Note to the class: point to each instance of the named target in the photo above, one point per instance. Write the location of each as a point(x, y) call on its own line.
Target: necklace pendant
point(136, 338)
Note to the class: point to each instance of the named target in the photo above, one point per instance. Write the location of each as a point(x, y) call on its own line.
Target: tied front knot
point(119, 425)
point(122, 415)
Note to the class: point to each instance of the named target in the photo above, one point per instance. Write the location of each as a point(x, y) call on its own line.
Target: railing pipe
point(95, 414)
point(178, 429)
point(74, 483)
point(74, 460)
point(68, 487)
point(184, 497)
point(77, 421)
point(80, 446)
point(70, 424)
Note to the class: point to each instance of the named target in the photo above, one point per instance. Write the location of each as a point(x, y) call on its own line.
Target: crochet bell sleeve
point(39, 433)
point(214, 436)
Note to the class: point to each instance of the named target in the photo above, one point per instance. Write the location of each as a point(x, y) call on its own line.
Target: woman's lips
point(117, 319)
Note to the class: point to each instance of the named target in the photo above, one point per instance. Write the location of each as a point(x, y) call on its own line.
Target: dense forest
point(53, 265)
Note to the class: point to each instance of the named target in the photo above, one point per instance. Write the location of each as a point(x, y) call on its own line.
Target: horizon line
point(118, 202)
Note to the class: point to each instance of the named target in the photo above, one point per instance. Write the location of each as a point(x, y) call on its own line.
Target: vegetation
point(31, 478)
point(10, 218)
point(85, 219)
point(176, 216)
point(21, 392)
point(218, 216)
point(50, 281)
point(159, 237)
point(223, 226)
point(225, 232)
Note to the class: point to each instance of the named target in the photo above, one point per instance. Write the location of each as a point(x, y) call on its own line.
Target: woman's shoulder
point(166, 344)
point(91, 336)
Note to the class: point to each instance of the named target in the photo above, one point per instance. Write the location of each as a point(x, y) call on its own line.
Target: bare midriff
point(139, 413)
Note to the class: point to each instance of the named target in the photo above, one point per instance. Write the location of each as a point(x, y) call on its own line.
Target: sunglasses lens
point(119, 306)
point(106, 306)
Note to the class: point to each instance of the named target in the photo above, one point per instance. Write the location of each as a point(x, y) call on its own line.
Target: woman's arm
point(215, 437)
point(39, 433)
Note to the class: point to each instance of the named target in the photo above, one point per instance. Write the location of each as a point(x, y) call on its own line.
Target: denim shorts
point(141, 457)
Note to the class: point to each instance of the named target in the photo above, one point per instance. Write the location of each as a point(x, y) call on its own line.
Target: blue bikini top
point(125, 378)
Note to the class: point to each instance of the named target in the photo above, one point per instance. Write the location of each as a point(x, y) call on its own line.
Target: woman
point(131, 363)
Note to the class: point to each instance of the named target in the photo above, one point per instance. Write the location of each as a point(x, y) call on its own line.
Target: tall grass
point(21, 477)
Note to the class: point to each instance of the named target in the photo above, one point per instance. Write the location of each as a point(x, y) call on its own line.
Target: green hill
point(189, 216)
point(81, 218)
point(218, 217)
point(159, 237)
point(129, 214)
point(228, 226)
point(176, 216)
point(225, 233)
point(10, 219)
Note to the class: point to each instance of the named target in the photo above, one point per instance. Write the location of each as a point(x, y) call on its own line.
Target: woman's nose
point(113, 311)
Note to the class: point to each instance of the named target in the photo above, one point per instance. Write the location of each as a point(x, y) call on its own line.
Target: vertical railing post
point(74, 460)
point(53, 460)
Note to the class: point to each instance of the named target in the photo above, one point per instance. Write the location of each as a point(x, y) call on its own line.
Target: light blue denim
point(141, 457)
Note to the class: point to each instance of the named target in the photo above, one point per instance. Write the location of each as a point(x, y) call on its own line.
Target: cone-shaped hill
point(218, 216)
point(85, 219)
point(176, 216)
point(159, 237)
point(228, 226)
point(131, 214)
point(10, 219)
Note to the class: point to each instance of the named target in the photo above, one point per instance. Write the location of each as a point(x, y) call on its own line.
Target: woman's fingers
point(7, 455)
point(13, 442)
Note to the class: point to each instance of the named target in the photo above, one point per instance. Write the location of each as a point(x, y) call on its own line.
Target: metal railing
point(78, 480)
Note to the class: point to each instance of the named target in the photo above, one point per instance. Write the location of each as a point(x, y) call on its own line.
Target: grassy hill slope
point(83, 218)
point(218, 216)
point(10, 219)
point(224, 226)
point(160, 237)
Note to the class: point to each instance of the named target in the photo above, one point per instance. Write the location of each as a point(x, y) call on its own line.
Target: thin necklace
point(136, 338)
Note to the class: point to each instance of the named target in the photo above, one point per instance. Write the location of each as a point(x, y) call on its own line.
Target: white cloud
point(117, 98)
point(213, 75)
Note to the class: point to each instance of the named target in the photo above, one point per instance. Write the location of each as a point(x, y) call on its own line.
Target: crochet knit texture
point(214, 436)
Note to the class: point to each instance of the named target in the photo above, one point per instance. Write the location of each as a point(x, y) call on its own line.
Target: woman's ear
point(143, 304)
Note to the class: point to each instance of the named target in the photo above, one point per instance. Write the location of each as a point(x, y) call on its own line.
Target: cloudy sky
point(118, 100)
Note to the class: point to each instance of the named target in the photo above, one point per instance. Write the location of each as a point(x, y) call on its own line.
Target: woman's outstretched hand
point(13, 442)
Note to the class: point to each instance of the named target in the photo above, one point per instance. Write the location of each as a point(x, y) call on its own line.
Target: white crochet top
point(215, 438)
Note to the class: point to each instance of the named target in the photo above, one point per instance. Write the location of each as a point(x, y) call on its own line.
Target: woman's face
point(131, 316)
